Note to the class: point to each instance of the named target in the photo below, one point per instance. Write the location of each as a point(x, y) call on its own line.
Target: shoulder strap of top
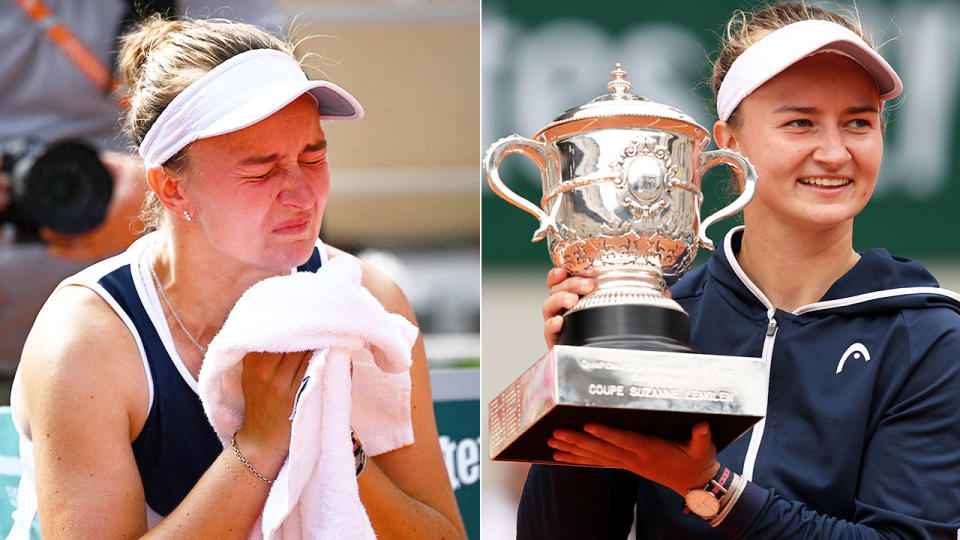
point(317, 258)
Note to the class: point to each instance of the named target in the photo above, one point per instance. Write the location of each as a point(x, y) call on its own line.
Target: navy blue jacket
point(862, 433)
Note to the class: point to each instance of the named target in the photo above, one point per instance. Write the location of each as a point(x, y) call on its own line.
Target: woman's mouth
point(292, 226)
point(822, 182)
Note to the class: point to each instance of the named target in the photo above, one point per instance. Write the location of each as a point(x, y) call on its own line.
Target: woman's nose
point(831, 149)
point(298, 191)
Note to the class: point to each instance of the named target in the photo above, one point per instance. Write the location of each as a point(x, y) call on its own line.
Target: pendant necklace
point(156, 279)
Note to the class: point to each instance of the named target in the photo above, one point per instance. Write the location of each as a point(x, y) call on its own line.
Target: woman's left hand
point(678, 465)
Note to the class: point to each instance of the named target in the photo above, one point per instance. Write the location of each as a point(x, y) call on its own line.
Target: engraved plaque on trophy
point(621, 203)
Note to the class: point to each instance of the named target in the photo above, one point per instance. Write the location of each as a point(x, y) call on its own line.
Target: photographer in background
point(60, 145)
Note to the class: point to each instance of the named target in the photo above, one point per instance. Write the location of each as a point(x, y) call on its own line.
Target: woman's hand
point(680, 466)
point(270, 383)
point(565, 292)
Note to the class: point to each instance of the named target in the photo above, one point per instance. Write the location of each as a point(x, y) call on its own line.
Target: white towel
point(330, 312)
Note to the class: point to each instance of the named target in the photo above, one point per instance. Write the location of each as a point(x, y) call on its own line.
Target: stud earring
point(187, 216)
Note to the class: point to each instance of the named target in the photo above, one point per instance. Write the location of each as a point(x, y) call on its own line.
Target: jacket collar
point(879, 280)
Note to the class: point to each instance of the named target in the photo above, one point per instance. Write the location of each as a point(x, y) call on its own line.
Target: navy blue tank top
point(177, 443)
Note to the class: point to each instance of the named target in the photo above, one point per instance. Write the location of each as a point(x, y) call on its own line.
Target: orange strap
point(74, 49)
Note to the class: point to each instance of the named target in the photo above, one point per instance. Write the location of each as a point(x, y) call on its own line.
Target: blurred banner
point(456, 403)
point(541, 58)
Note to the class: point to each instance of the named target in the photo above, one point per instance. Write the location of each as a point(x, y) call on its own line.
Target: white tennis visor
point(786, 46)
point(236, 94)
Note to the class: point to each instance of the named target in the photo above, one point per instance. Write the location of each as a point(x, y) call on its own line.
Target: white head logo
point(858, 351)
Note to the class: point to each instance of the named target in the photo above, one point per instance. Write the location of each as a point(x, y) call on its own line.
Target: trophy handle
point(742, 168)
point(515, 144)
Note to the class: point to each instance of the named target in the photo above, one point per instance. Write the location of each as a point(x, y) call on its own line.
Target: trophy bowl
point(621, 203)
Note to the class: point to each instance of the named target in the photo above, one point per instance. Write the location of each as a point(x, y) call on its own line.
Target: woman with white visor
point(106, 396)
point(861, 437)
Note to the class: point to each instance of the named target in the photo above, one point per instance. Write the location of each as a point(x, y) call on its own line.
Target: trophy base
point(628, 326)
point(661, 393)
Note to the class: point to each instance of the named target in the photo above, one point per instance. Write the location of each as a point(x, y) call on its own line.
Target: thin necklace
point(156, 279)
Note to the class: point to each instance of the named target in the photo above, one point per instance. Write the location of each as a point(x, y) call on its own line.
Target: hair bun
point(136, 45)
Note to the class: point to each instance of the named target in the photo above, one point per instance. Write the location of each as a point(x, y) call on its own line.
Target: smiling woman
point(229, 129)
point(818, 150)
point(846, 449)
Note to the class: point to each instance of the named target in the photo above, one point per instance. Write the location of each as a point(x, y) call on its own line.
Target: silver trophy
point(621, 203)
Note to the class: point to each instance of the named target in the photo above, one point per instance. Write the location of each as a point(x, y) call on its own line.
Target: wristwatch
point(706, 501)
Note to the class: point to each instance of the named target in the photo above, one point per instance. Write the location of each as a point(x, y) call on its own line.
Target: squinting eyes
point(312, 163)
point(262, 176)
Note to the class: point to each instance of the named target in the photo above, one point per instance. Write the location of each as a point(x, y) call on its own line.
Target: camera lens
point(66, 189)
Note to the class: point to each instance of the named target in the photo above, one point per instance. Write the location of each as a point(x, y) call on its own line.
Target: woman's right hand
point(270, 383)
point(565, 292)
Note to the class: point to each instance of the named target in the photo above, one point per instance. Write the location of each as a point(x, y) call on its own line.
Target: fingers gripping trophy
point(621, 203)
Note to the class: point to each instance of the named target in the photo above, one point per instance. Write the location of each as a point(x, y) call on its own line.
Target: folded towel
point(330, 312)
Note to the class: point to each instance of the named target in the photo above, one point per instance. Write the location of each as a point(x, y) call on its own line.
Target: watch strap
point(718, 486)
point(729, 499)
point(720, 483)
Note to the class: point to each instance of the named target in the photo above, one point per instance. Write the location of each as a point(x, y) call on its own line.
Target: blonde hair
point(160, 57)
point(744, 29)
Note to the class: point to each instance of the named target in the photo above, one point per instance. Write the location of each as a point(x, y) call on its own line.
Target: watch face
point(702, 503)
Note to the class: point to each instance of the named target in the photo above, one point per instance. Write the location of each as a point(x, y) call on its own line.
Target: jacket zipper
point(757, 434)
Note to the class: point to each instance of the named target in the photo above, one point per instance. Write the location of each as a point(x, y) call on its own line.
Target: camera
point(61, 186)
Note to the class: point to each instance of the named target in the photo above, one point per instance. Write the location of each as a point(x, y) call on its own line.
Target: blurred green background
point(541, 58)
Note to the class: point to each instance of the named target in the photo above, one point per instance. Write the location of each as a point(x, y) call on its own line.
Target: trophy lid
point(618, 103)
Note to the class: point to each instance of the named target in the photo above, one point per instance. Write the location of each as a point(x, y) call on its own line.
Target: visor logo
point(858, 351)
